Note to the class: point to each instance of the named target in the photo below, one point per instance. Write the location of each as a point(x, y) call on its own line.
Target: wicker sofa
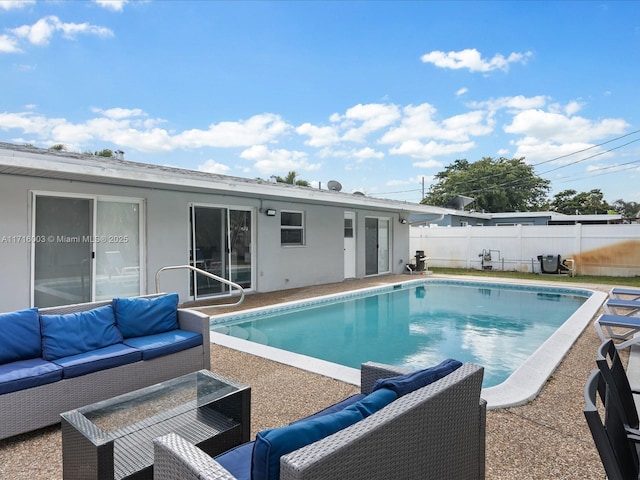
point(37, 406)
point(434, 432)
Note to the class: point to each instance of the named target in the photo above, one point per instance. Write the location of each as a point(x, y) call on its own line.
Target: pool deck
point(545, 439)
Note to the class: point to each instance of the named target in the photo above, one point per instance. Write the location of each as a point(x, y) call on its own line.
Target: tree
point(105, 152)
point(571, 202)
point(60, 147)
point(626, 209)
point(497, 185)
point(291, 179)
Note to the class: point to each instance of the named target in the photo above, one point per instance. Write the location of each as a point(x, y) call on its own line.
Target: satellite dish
point(358, 193)
point(334, 185)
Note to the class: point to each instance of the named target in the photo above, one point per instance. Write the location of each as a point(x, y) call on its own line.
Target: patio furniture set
point(163, 414)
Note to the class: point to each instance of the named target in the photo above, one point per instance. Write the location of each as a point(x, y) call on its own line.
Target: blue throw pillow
point(374, 402)
point(74, 333)
point(20, 335)
point(138, 317)
point(270, 445)
point(404, 384)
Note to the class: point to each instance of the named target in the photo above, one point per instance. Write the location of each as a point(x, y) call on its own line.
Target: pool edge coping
point(522, 386)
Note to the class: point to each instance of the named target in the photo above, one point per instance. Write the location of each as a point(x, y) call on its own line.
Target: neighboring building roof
point(38, 162)
point(517, 217)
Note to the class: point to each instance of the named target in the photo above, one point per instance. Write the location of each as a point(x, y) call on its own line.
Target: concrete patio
point(546, 439)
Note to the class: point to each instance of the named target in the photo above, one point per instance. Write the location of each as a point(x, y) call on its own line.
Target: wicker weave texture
point(38, 407)
point(436, 432)
point(430, 433)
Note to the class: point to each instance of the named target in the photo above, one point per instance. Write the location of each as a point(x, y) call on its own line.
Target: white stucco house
point(78, 228)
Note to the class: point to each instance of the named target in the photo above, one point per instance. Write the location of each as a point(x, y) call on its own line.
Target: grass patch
point(599, 279)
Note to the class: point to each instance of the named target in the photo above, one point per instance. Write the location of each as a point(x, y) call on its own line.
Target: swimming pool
point(419, 323)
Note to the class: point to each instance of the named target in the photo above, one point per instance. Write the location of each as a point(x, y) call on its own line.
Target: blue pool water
point(416, 325)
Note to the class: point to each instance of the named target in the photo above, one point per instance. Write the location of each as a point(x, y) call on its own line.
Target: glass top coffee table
point(113, 439)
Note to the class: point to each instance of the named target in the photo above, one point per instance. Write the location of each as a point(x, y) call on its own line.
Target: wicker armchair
point(435, 432)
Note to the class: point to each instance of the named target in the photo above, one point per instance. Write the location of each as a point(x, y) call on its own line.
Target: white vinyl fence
point(595, 249)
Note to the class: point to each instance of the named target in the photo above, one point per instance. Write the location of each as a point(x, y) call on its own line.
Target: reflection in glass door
point(63, 259)
point(376, 245)
point(240, 242)
point(90, 249)
point(221, 245)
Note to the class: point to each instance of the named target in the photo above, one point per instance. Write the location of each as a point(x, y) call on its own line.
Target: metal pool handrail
point(206, 274)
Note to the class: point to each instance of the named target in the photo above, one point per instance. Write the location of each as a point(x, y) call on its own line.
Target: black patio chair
point(615, 377)
point(615, 445)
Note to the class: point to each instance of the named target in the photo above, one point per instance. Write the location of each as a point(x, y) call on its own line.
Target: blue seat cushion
point(29, 373)
point(160, 344)
point(237, 461)
point(79, 332)
point(404, 384)
point(20, 335)
point(272, 444)
point(99, 359)
point(139, 317)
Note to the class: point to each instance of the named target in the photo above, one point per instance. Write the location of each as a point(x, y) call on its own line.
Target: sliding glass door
point(376, 245)
point(63, 253)
point(221, 245)
point(88, 249)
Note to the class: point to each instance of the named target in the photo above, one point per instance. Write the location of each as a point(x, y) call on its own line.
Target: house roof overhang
point(35, 162)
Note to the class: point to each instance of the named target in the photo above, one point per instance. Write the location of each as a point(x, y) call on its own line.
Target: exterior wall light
point(270, 212)
point(403, 221)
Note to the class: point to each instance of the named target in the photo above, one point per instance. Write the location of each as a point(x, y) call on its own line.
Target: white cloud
point(572, 108)
point(551, 126)
point(362, 120)
point(419, 122)
point(367, 153)
point(120, 113)
point(515, 103)
point(41, 32)
point(115, 5)
point(211, 166)
point(15, 4)
point(462, 91)
point(9, 44)
point(319, 136)
point(258, 129)
point(132, 128)
point(277, 161)
point(472, 60)
point(427, 151)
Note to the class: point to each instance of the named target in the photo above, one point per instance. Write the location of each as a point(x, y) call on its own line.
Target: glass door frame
point(227, 263)
point(95, 199)
point(379, 247)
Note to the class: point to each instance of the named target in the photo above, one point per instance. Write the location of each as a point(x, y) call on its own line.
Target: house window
point(348, 228)
point(291, 228)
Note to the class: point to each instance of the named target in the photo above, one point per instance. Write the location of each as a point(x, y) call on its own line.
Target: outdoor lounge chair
point(629, 307)
point(608, 327)
point(616, 292)
point(615, 445)
point(617, 382)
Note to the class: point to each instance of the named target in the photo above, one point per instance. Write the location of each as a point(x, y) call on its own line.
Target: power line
point(585, 149)
point(515, 182)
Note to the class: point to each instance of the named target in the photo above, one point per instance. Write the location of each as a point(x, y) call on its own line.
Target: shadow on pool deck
point(545, 439)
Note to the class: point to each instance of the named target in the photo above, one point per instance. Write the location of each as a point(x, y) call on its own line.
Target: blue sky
point(377, 95)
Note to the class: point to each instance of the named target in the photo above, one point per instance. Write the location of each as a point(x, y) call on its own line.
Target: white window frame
point(300, 227)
